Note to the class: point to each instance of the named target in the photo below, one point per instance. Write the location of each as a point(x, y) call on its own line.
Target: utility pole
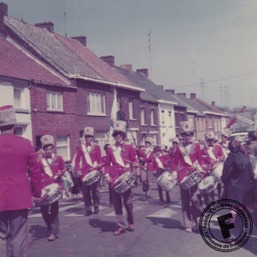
point(226, 92)
point(65, 25)
point(202, 88)
point(150, 54)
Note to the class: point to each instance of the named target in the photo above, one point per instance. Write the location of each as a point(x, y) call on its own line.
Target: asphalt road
point(159, 232)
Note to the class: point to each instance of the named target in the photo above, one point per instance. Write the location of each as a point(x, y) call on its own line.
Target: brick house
point(94, 79)
point(208, 118)
point(29, 86)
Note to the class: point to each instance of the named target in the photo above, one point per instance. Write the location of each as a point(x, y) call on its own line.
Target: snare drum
point(191, 180)
point(167, 180)
point(208, 184)
point(217, 170)
point(91, 177)
point(124, 182)
point(50, 194)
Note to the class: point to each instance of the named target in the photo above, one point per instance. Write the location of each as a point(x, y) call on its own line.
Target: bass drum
point(208, 184)
point(191, 180)
point(218, 169)
point(91, 177)
point(167, 180)
point(50, 194)
point(124, 182)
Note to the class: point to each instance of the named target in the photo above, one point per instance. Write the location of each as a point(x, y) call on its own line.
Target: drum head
point(50, 189)
point(206, 182)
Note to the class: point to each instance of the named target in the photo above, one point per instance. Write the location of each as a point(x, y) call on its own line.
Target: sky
point(207, 47)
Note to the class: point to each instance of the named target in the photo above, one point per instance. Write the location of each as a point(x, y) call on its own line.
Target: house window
point(142, 116)
point(101, 139)
point(63, 147)
point(130, 105)
point(170, 118)
point(54, 101)
point(163, 116)
point(152, 117)
point(96, 104)
point(209, 123)
point(18, 99)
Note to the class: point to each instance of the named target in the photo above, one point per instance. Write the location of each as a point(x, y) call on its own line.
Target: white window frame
point(96, 104)
point(54, 101)
point(18, 103)
point(142, 116)
point(152, 117)
point(63, 146)
point(163, 117)
point(130, 107)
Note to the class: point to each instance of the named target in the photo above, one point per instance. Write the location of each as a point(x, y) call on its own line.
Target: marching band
point(204, 171)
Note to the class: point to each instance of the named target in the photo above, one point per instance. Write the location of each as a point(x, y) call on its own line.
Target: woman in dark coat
point(238, 178)
point(237, 175)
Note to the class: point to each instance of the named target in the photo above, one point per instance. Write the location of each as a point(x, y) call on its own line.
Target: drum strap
point(159, 162)
point(148, 152)
point(211, 154)
point(117, 156)
point(47, 168)
point(186, 156)
point(87, 156)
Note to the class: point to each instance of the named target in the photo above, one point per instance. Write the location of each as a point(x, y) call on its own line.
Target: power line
point(217, 80)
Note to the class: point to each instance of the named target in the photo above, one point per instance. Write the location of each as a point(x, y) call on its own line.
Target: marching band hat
point(210, 135)
point(47, 140)
point(174, 140)
point(226, 132)
point(120, 125)
point(149, 140)
point(89, 131)
point(186, 127)
point(7, 115)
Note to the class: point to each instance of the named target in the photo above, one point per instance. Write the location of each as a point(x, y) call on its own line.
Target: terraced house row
point(58, 86)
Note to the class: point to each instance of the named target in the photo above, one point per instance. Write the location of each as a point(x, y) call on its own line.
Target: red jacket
point(128, 155)
point(180, 165)
point(162, 162)
point(20, 176)
point(57, 168)
point(217, 154)
point(95, 156)
point(147, 159)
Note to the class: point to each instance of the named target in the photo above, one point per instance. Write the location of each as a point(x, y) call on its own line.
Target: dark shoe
point(119, 231)
point(131, 227)
point(88, 213)
point(52, 237)
point(96, 210)
point(161, 202)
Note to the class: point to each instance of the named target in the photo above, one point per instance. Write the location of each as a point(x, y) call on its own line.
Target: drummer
point(213, 155)
point(146, 157)
point(187, 158)
point(52, 167)
point(225, 135)
point(120, 158)
point(89, 156)
point(161, 163)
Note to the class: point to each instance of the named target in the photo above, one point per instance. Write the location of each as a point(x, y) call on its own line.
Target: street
point(159, 232)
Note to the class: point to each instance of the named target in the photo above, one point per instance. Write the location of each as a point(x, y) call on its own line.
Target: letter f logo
point(225, 225)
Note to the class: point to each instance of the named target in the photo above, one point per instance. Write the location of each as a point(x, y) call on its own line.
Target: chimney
point(109, 59)
point(47, 25)
point(181, 94)
point(3, 12)
point(192, 95)
point(213, 103)
point(143, 72)
point(81, 39)
point(171, 91)
point(161, 87)
point(127, 67)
